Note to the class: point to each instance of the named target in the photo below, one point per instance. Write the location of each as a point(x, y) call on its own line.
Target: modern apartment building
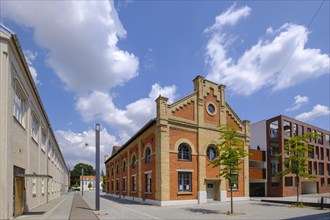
point(270, 136)
point(167, 161)
point(32, 168)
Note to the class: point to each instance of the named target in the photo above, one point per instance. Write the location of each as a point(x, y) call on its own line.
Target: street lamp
point(82, 182)
point(97, 167)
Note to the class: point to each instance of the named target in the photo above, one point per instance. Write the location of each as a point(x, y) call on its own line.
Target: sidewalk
point(68, 206)
point(80, 209)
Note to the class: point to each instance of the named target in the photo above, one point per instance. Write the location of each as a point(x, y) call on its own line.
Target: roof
point(6, 30)
point(143, 129)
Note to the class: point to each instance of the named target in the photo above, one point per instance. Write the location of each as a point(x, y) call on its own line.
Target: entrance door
point(19, 196)
point(210, 191)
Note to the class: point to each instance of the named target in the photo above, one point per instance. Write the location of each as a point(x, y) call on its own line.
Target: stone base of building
point(171, 202)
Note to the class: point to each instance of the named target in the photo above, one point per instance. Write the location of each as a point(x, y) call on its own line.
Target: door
point(19, 196)
point(210, 191)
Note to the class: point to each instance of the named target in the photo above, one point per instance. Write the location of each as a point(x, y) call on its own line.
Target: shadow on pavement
point(123, 201)
point(268, 204)
point(34, 213)
point(203, 211)
point(325, 215)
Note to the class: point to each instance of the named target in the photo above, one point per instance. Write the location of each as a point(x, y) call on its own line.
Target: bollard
point(322, 202)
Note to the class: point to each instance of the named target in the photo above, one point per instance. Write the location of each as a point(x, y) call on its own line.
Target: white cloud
point(99, 105)
point(317, 111)
point(81, 37)
point(73, 146)
point(262, 65)
point(299, 101)
point(30, 57)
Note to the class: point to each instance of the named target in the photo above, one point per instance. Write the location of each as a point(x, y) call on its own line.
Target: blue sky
point(106, 62)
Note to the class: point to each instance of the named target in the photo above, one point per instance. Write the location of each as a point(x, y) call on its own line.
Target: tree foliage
point(76, 172)
point(295, 155)
point(90, 185)
point(231, 154)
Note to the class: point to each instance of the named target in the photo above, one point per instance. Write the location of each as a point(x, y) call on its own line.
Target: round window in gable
point(211, 152)
point(211, 109)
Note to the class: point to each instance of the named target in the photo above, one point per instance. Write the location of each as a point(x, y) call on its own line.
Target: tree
point(231, 152)
point(103, 184)
point(76, 172)
point(90, 185)
point(296, 158)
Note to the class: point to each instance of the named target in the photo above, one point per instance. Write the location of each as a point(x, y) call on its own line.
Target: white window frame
point(19, 103)
point(34, 126)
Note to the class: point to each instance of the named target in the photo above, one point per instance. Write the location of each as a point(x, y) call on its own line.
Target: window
point(301, 130)
point(311, 152)
point(19, 104)
point(234, 181)
point(275, 166)
point(288, 181)
point(117, 170)
point(327, 139)
point(147, 155)
point(148, 182)
point(321, 169)
point(319, 138)
point(274, 149)
point(112, 171)
point(295, 129)
point(322, 182)
point(184, 181)
point(184, 152)
point(133, 161)
point(124, 165)
point(124, 184)
point(211, 152)
point(273, 128)
point(134, 183)
point(211, 109)
point(315, 168)
point(34, 126)
point(309, 131)
point(287, 128)
point(43, 139)
point(111, 184)
point(117, 184)
point(328, 169)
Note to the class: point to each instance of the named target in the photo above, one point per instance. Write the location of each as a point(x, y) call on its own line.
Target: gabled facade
point(88, 183)
point(167, 161)
point(270, 135)
point(32, 167)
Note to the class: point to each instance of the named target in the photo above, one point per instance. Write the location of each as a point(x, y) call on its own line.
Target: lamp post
point(82, 182)
point(97, 161)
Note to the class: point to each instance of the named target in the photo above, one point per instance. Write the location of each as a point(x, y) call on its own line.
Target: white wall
point(258, 135)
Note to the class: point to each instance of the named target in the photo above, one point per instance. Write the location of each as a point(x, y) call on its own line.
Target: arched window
point(147, 155)
point(184, 152)
point(112, 171)
point(117, 171)
point(211, 152)
point(133, 161)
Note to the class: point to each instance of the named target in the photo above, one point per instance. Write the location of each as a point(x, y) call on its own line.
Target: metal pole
point(97, 160)
point(82, 182)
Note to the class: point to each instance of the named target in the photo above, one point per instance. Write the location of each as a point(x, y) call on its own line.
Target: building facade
point(88, 183)
point(32, 168)
point(271, 135)
point(167, 161)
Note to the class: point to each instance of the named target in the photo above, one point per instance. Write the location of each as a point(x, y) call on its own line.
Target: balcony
point(257, 173)
point(257, 155)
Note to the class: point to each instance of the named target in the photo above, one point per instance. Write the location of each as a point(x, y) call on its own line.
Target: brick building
point(32, 167)
point(166, 161)
point(270, 136)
